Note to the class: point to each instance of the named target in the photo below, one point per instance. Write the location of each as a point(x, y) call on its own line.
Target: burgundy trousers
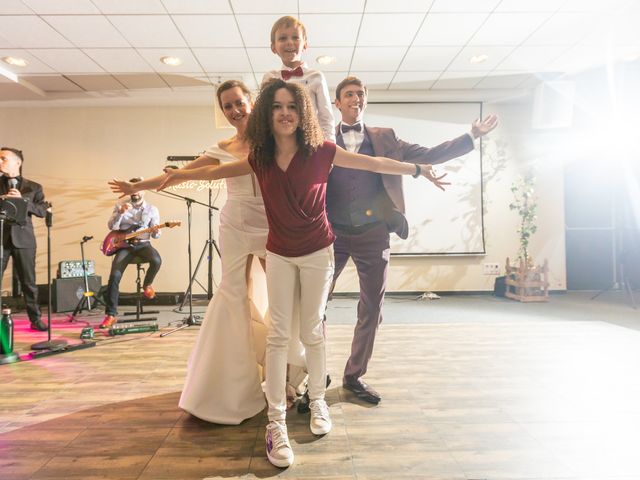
point(370, 253)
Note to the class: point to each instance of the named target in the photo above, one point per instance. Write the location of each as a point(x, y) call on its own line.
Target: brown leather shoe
point(362, 390)
point(149, 292)
point(108, 322)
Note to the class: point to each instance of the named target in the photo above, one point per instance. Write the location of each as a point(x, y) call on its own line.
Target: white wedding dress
point(223, 382)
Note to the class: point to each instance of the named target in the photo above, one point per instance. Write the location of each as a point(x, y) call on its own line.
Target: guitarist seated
point(135, 214)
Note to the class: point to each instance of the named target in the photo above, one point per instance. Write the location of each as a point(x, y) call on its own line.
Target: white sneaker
point(279, 450)
point(320, 423)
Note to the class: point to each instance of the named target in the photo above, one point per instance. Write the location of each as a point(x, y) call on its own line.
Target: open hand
point(429, 173)
point(171, 177)
point(121, 186)
point(481, 128)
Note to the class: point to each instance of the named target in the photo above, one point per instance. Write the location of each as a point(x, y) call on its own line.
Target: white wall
point(74, 151)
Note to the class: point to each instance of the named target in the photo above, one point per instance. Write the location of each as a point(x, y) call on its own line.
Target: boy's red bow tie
point(287, 74)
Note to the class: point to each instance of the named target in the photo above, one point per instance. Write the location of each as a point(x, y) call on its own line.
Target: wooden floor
point(473, 388)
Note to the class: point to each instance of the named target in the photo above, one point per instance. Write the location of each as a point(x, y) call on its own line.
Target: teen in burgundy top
point(292, 163)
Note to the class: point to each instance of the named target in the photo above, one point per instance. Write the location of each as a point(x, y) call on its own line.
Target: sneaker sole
point(280, 463)
point(320, 431)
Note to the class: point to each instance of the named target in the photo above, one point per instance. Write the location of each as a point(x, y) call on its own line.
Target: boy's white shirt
point(317, 88)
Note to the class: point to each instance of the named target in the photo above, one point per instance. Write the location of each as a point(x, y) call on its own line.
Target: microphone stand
point(190, 319)
point(49, 344)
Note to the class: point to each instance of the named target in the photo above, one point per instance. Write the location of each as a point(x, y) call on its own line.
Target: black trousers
point(25, 261)
point(141, 253)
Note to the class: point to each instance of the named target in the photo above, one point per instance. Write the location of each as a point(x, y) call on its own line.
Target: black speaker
point(590, 259)
point(67, 292)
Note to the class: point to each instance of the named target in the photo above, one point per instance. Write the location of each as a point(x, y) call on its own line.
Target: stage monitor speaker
point(553, 105)
point(67, 292)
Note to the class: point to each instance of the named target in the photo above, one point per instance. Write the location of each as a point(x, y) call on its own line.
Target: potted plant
point(525, 281)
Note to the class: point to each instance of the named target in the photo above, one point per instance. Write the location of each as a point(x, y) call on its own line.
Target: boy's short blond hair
point(286, 22)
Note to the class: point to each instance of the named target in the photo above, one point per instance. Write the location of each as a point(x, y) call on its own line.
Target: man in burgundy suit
point(364, 207)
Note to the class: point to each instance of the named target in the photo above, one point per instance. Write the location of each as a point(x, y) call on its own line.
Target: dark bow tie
point(287, 74)
point(357, 127)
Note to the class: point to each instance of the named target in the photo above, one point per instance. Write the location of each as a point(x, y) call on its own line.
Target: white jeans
point(312, 274)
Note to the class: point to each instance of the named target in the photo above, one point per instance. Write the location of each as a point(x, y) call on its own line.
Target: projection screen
point(440, 223)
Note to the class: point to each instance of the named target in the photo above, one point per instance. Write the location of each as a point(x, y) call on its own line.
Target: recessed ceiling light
point(172, 61)
point(325, 60)
point(16, 62)
point(479, 58)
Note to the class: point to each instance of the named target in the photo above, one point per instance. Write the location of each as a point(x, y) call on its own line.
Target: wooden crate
point(527, 284)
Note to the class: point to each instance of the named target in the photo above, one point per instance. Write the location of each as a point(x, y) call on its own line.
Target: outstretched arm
point(127, 188)
point(481, 128)
point(385, 165)
point(212, 172)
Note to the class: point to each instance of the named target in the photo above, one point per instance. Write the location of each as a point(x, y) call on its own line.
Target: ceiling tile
point(527, 6)
point(563, 29)
point(222, 59)
point(595, 5)
point(185, 80)
point(428, 59)
point(91, 31)
point(388, 30)
point(341, 54)
point(144, 80)
point(397, 6)
point(197, 6)
point(458, 80)
point(43, 7)
point(373, 80)
point(615, 29)
point(414, 80)
point(4, 43)
point(449, 28)
point(467, 6)
point(333, 79)
point(531, 59)
point(153, 55)
point(209, 30)
point(508, 28)
point(130, 6)
point(496, 55)
point(506, 81)
point(256, 29)
point(282, 7)
point(342, 32)
point(381, 59)
point(34, 65)
point(13, 7)
point(67, 60)
point(30, 32)
point(263, 60)
point(118, 60)
point(93, 83)
point(148, 30)
point(581, 57)
point(331, 6)
point(52, 83)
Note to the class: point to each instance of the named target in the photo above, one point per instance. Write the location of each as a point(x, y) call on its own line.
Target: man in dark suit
point(364, 207)
point(19, 241)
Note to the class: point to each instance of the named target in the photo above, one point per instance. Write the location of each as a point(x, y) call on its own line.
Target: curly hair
point(259, 130)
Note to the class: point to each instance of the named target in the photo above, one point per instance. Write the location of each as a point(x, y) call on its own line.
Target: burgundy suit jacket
point(387, 144)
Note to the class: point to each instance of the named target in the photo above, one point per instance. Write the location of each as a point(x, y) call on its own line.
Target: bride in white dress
point(223, 382)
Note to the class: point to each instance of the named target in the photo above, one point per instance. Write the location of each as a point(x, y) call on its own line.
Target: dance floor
point(473, 387)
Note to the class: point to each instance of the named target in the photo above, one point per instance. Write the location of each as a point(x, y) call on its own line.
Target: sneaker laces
point(319, 409)
point(279, 436)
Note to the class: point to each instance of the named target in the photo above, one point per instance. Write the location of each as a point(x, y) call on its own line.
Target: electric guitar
point(117, 240)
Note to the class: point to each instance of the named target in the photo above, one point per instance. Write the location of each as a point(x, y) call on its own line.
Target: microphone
point(86, 238)
point(12, 183)
point(48, 219)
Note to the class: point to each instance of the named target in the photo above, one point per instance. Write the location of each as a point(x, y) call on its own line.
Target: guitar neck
point(137, 233)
